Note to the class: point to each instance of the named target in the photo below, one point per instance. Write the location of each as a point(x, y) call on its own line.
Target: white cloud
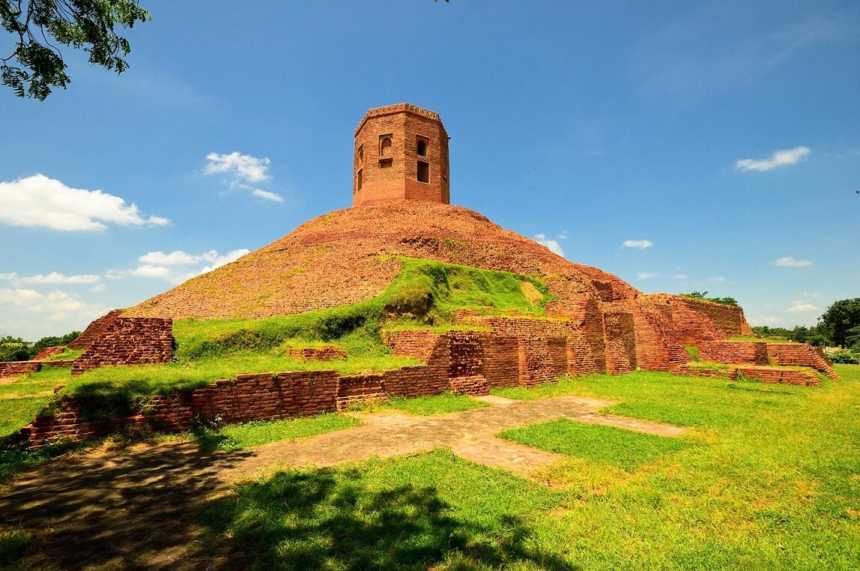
point(241, 167)
point(243, 171)
point(148, 271)
point(638, 244)
point(549, 243)
point(781, 158)
point(266, 195)
point(717, 279)
point(41, 202)
point(646, 275)
point(33, 314)
point(800, 306)
point(175, 258)
point(216, 260)
point(177, 266)
point(55, 305)
point(57, 278)
point(679, 276)
point(790, 262)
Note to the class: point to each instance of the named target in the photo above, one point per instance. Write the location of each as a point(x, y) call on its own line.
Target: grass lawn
point(435, 404)
point(408, 513)
point(604, 444)
point(250, 434)
point(769, 477)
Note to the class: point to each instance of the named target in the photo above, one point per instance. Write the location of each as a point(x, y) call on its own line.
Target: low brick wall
point(800, 354)
point(11, 368)
point(756, 373)
point(734, 352)
point(464, 362)
point(129, 341)
point(475, 385)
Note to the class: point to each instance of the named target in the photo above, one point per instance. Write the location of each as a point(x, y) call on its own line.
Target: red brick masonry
point(129, 341)
point(10, 368)
point(762, 374)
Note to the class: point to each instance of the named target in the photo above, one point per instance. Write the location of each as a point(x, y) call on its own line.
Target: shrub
point(845, 357)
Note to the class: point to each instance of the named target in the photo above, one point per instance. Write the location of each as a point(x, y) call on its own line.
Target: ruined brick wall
point(734, 352)
point(95, 330)
point(416, 344)
point(360, 388)
point(769, 375)
point(695, 320)
point(388, 145)
point(11, 368)
point(542, 359)
point(410, 382)
point(129, 341)
point(800, 354)
point(620, 343)
point(501, 361)
point(48, 352)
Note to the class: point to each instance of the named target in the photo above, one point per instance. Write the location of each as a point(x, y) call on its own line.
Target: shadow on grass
point(332, 519)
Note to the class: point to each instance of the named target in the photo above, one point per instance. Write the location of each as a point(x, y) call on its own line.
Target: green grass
point(425, 292)
point(66, 355)
point(692, 352)
point(771, 482)
point(22, 399)
point(251, 434)
point(408, 513)
point(756, 339)
point(605, 444)
point(143, 380)
point(436, 404)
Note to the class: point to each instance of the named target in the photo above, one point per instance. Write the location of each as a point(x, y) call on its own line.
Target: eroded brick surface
point(129, 341)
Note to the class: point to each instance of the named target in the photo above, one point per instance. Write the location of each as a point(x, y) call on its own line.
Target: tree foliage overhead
point(36, 65)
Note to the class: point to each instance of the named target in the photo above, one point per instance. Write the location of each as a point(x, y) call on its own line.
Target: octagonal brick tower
point(401, 152)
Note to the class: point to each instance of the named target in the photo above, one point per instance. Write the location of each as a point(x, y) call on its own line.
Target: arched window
point(384, 146)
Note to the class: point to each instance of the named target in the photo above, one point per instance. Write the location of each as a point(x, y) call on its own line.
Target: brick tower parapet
point(401, 152)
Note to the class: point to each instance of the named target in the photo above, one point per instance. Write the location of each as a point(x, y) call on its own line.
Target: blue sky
point(720, 140)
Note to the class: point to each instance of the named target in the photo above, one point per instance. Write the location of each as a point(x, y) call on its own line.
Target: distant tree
point(14, 349)
point(839, 319)
point(704, 295)
point(54, 341)
point(36, 65)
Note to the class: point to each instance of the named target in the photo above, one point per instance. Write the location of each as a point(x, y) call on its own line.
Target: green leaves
point(36, 65)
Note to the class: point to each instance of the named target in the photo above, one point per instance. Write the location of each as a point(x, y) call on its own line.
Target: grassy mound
point(424, 294)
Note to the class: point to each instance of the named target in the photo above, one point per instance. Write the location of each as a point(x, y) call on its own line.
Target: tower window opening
point(384, 146)
point(421, 147)
point(359, 179)
point(423, 171)
point(385, 163)
point(360, 154)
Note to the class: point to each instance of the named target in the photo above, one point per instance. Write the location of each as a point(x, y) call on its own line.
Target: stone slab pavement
point(470, 434)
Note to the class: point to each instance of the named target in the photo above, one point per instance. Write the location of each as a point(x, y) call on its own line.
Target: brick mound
point(349, 255)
